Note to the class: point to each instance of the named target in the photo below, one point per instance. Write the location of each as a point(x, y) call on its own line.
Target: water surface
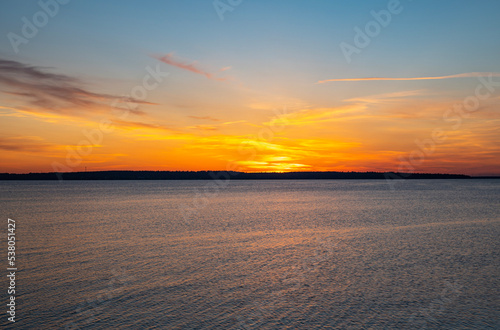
point(255, 254)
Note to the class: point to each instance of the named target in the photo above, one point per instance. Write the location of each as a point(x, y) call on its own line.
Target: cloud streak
point(192, 67)
point(51, 92)
point(204, 118)
point(24, 144)
point(454, 76)
point(125, 124)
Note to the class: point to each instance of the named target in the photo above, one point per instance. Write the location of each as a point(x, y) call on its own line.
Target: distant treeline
point(223, 175)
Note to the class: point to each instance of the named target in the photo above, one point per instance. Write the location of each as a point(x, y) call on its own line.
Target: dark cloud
point(52, 92)
point(17, 68)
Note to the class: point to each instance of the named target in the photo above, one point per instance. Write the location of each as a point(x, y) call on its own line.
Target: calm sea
point(254, 254)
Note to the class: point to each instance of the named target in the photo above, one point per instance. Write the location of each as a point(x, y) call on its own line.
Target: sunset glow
point(253, 92)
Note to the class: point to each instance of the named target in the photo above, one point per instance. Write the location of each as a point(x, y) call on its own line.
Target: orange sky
point(261, 90)
point(383, 132)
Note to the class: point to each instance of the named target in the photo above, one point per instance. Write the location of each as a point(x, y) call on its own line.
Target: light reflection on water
point(260, 255)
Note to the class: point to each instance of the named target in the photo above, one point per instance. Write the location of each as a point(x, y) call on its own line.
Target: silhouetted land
point(225, 175)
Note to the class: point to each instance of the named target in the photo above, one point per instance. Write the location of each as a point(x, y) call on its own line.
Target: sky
point(250, 85)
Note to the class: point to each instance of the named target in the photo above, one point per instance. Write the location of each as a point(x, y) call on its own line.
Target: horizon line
point(261, 172)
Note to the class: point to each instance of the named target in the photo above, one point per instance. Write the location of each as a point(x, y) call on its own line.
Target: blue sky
point(427, 37)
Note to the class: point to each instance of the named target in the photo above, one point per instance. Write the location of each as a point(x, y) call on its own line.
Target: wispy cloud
point(234, 122)
point(204, 127)
point(454, 76)
point(213, 127)
point(309, 117)
point(359, 108)
point(192, 67)
point(24, 144)
point(388, 97)
point(125, 124)
point(39, 89)
point(204, 118)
